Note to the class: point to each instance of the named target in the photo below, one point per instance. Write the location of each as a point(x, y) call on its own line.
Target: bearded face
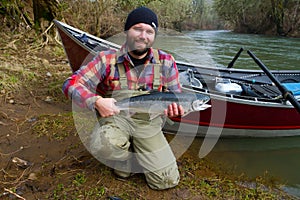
point(140, 38)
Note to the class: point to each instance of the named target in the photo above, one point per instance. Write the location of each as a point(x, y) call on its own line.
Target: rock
point(48, 74)
point(32, 119)
point(11, 101)
point(20, 162)
point(48, 99)
point(45, 62)
point(32, 176)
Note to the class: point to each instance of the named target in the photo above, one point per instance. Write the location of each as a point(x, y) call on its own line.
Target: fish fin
point(204, 106)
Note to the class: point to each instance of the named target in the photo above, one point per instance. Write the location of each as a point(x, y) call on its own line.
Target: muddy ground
point(42, 157)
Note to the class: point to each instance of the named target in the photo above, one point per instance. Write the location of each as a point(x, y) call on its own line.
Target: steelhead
point(155, 103)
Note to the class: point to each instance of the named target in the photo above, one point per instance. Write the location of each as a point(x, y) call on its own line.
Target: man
point(112, 75)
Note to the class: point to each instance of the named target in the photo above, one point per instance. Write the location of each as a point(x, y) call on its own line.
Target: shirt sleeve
point(81, 86)
point(170, 74)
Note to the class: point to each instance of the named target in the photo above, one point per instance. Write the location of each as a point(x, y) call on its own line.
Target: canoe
point(244, 103)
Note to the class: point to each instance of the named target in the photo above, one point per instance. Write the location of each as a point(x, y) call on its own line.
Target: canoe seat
point(187, 78)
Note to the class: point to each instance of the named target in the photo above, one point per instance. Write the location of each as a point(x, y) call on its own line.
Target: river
point(277, 157)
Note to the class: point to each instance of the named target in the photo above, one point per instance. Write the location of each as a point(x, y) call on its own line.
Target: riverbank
point(42, 156)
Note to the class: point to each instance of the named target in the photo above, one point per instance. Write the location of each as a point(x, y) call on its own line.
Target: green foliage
point(204, 15)
point(130, 4)
point(81, 189)
point(99, 17)
point(105, 18)
point(10, 8)
point(172, 14)
point(79, 179)
point(55, 127)
point(13, 12)
point(58, 193)
point(260, 16)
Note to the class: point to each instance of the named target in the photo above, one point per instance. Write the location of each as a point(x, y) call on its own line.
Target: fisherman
point(111, 75)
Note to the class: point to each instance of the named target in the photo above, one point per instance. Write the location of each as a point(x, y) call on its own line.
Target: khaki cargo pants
point(139, 140)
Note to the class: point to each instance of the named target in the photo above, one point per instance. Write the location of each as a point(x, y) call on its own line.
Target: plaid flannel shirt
point(96, 78)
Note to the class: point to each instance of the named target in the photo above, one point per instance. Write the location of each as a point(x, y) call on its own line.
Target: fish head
point(200, 104)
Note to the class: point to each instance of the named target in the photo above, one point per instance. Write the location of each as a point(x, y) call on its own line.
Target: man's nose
point(143, 34)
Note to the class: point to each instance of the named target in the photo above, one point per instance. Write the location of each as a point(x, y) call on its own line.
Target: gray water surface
point(217, 48)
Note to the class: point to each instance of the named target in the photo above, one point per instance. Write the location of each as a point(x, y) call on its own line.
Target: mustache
point(141, 40)
point(140, 52)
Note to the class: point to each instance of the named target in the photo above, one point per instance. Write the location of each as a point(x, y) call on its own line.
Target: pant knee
point(107, 143)
point(163, 179)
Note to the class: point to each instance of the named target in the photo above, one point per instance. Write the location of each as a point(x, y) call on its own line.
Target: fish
point(156, 102)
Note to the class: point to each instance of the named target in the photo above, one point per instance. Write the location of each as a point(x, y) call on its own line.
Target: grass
point(199, 180)
point(8, 82)
point(55, 127)
point(79, 186)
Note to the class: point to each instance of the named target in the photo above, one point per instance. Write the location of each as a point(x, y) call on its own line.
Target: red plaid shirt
point(102, 75)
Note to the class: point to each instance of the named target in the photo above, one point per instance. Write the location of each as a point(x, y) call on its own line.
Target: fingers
point(174, 110)
point(180, 110)
point(106, 107)
point(110, 112)
point(113, 110)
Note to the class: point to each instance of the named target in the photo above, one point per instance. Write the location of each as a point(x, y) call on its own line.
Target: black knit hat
point(141, 15)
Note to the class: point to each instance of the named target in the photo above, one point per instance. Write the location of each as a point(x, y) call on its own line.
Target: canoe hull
point(228, 116)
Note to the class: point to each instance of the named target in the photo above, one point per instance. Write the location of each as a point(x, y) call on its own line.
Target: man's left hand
point(174, 110)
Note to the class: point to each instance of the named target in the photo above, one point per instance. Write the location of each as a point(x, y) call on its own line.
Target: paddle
point(285, 93)
point(230, 65)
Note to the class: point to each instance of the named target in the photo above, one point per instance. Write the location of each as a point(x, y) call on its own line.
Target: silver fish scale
point(158, 101)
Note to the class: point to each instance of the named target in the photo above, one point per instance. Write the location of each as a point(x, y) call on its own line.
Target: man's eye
point(138, 29)
point(150, 32)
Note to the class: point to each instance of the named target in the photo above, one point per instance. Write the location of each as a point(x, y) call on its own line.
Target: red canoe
point(244, 103)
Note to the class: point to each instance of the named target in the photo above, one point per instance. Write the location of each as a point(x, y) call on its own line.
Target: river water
point(277, 157)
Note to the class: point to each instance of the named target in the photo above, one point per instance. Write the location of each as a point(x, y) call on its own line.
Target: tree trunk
point(278, 15)
point(44, 10)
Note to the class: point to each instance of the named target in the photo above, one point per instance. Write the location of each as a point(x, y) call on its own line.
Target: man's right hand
point(106, 107)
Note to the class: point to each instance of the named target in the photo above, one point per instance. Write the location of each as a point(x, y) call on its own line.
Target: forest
point(104, 18)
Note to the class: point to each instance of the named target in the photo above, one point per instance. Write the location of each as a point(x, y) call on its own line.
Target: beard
point(136, 48)
point(140, 52)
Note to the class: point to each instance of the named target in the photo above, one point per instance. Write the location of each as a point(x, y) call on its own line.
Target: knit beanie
point(141, 15)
